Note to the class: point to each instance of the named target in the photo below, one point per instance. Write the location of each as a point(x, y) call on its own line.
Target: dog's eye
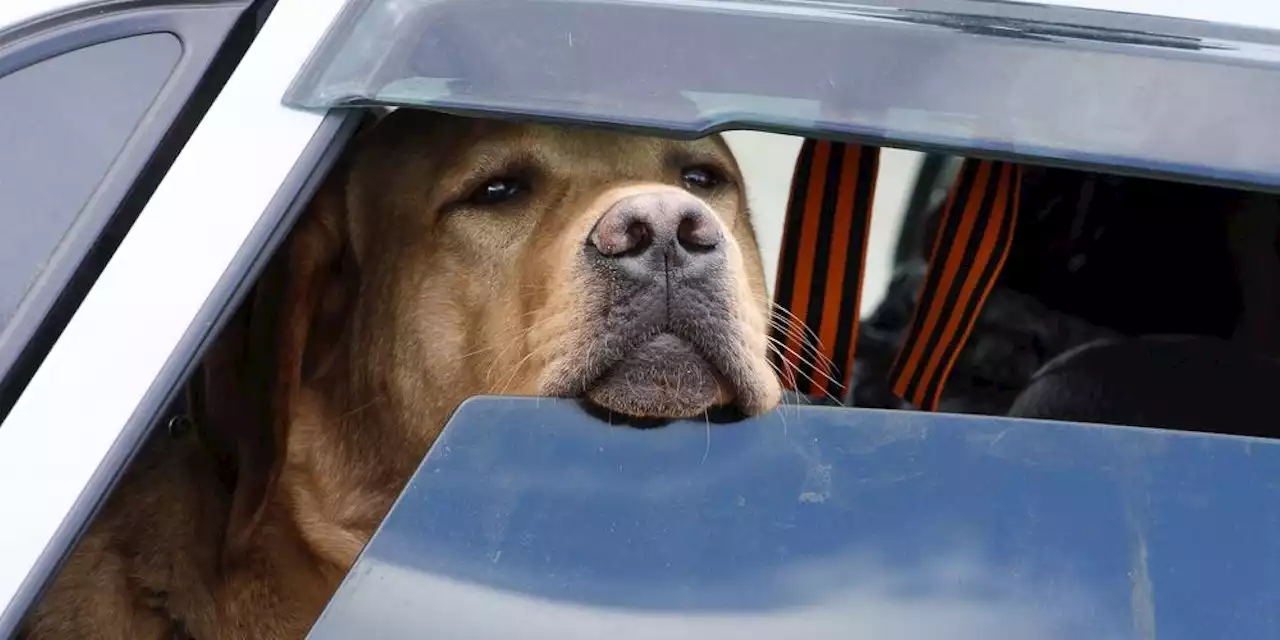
point(701, 178)
point(496, 191)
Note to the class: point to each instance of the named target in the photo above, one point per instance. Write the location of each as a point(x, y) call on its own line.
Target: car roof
point(1249, 13)
point(16, 12)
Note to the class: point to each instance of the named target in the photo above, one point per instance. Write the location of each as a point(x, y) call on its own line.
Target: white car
point(154, 152)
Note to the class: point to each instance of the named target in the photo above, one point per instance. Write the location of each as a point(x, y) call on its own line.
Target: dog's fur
point(399, 294)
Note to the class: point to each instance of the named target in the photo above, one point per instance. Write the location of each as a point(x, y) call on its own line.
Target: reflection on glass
point(531, 518)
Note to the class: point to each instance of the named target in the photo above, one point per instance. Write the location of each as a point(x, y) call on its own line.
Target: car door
point(131, 215)
point(232, 188)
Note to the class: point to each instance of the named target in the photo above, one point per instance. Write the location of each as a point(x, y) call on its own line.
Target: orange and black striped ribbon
point(819, 282)
point(975, 232)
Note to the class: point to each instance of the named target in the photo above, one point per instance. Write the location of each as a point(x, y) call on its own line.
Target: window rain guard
point(1135, 93)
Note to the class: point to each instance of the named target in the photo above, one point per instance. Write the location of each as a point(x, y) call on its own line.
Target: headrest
point(817, 294)
point(1171, 382)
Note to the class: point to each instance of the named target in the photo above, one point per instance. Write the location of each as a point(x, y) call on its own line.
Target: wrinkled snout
point(661, 324)
point(646, 236)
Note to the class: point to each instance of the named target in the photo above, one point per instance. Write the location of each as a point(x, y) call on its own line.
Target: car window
point(65, 120)
point(817, 524)
point(97, 101)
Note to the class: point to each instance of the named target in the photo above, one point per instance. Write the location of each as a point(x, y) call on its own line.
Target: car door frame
point(221, 208)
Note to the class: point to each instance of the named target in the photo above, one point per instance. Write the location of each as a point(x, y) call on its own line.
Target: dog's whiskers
point(807, 348)
point(810, 355)
point(515, 372)
point(706, 418)
point(777, 370)
point(517, 339)
point(798, 330)
point(774, 342)
point(352, 412)
point(819, 367)
point(815, 382)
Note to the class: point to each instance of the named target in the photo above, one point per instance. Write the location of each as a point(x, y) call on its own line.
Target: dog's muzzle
point(668, 343)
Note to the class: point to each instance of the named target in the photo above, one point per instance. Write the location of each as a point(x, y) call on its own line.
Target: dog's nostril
point(639, 237)
point(655, 232)
point(621, 235)
point(697, 232)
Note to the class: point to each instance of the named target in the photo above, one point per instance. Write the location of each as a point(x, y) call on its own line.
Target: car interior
point(1123, 300)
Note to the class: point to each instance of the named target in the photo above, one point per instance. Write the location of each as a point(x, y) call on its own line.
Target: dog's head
point(447, 257)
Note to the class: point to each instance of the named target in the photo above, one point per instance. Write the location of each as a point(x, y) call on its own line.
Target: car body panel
point(96, 394)
point(532, 518)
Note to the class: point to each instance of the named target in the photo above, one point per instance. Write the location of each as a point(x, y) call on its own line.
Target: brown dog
point(444, 258)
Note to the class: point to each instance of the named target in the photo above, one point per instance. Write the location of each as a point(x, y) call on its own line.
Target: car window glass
point(65, 121)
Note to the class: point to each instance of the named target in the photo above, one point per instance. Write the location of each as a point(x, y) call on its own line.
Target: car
point(1025, 451)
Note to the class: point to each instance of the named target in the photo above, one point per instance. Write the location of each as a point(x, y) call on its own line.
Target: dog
point(443, 257)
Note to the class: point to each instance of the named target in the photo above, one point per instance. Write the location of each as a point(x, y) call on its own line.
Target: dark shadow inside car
point(1127, 301)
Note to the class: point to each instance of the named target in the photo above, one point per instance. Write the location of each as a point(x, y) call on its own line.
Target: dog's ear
point(285, 334)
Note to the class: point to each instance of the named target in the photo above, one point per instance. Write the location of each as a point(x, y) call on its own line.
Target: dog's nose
point(650, 233)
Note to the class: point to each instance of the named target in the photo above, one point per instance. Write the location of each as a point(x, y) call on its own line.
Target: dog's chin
point(665, 378)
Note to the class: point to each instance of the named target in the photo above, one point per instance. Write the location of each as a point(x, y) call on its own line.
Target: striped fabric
point(819, 281)
point(975, 232)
